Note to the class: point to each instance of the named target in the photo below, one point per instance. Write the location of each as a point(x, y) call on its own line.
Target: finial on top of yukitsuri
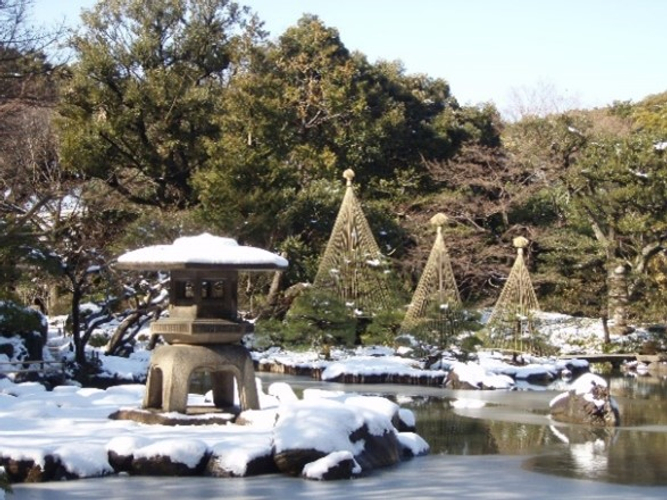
point(348, 175)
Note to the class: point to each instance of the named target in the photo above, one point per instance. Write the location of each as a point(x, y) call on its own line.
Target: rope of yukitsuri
point(517, 303)
point(352, 264)
point(437, 283)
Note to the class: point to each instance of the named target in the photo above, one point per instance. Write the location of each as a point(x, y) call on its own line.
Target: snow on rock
point(296, 363)
point(27, 454)
point(412, 444)
point(475, 376)
point(265, 400)
point(372, 405)
point(282, 392)
point(407, 420)
point(258, 419)
point(362, 369)
point(84, 459)
point(242, 455)
point(587, 382)
point(587, 401)
point(309, 430)
point(180, 450)
point(336, 465)
point(532, 370)
point(311, 394)
point(126, 445)
point(367, 366)
point(323, 425)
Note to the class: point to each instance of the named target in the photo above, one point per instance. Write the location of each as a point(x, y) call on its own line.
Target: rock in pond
point(587, 402)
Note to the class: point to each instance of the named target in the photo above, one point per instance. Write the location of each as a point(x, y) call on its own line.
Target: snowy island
point(67, 433)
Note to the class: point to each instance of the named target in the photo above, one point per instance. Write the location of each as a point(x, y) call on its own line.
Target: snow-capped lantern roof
point(204, 251)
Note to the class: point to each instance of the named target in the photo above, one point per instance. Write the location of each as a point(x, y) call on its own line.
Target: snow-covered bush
point(4, 483)
point(28, 324)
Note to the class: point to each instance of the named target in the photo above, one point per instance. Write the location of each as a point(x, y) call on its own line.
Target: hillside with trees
point(178, 116)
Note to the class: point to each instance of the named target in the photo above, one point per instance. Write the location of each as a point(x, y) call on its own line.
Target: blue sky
point(588, 52)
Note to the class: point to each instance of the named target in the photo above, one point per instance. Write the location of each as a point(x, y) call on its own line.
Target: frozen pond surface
point(505, 448)
point(431, 477)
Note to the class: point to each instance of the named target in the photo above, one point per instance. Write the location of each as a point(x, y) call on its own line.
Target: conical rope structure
point(511, 324)
point(352, 266)
point(437, 287)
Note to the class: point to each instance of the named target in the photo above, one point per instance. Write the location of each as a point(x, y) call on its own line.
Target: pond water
point(516, 423)
point(507, 448)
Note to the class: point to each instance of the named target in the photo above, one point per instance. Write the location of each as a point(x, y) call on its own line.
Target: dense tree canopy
point(300, 111)
point(140, 105)
point(183, 115)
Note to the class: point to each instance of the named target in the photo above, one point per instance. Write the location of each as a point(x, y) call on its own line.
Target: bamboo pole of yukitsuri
point(516, 306)
point(352, 266)
point(437, 284)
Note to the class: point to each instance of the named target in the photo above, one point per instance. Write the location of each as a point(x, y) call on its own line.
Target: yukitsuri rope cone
point(511, 324)
point(352, 266)
point(437, 286)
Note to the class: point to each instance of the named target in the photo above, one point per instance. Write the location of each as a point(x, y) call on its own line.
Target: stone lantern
point(203, 329)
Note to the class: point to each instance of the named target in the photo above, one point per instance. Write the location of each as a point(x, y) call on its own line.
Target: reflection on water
point(643, 400)
point(448, 432)
point(626, 457)
point(635, 453)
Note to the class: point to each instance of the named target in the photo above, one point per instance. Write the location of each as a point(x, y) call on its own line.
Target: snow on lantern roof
point(202, 251)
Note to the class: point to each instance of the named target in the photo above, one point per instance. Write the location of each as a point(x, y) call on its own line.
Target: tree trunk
point(618, 298)
point(116, 339)
point(53, 298)
point(79, 346)
point(134, 321)
point(605, 329)
point(272, 296)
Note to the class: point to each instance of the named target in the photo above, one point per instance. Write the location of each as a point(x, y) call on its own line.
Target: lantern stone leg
point(172, 366)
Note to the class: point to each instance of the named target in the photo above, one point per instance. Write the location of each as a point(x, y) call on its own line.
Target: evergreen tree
point(139, 107)
point(619, 188)
point(301, 110)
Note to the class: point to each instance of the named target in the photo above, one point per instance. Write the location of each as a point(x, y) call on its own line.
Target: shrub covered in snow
point(22, 332)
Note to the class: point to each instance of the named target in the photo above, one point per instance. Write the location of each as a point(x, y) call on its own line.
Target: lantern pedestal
point(172, 366)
